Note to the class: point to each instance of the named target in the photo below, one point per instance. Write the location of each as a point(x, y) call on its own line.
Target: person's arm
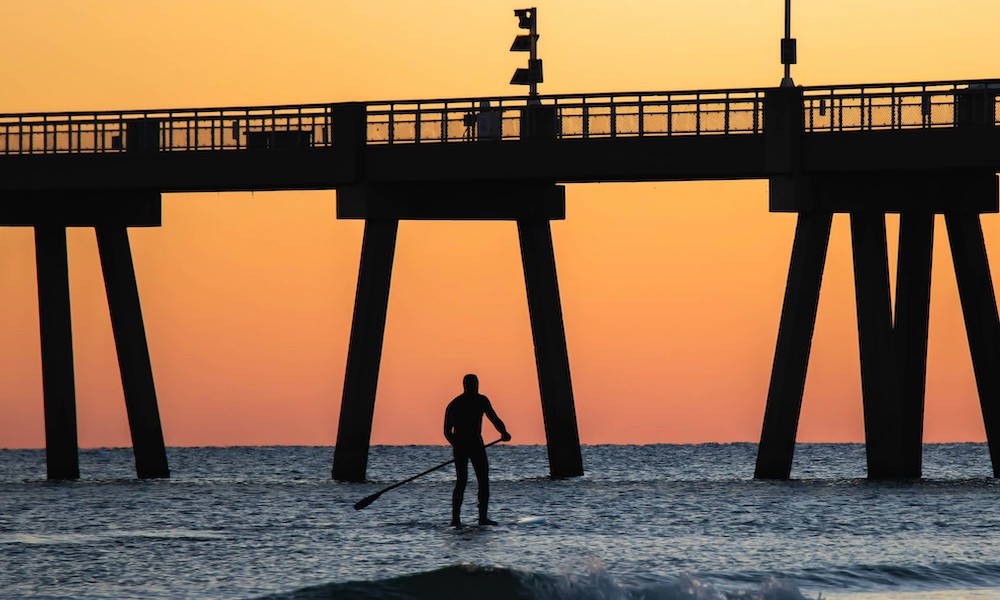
point(492, 416)
point(449, 425)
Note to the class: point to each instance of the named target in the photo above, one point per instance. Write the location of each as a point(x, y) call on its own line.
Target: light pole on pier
point(788, 50)
point(532, 76)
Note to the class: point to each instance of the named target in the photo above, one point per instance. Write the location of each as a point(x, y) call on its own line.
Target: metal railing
point(589, 116)
point(572, 116)
point(902, 106)
point(173, 130)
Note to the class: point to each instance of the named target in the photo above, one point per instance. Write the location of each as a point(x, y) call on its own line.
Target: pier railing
point(575, 116)
point(588, 116)
point(171, 130)
point(901, 106)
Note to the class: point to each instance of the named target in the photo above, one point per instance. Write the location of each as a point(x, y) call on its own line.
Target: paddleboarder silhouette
point(463, 425)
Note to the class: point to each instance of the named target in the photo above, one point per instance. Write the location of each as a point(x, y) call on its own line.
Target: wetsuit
point(463, 423)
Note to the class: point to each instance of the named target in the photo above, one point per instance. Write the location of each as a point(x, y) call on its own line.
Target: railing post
point(725, 118)
point(757, 107)
point(642, 117)
point(697, 114)
point(586, 120)
point(899, 112)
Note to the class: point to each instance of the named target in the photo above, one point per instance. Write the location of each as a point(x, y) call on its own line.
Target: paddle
point(367, 501)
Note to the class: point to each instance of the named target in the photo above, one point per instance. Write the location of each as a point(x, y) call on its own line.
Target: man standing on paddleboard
point(463, 427)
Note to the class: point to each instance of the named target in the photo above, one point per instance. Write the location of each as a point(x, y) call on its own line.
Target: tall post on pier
point(551, 356)
point(364, 352)
point(791, 354)
point(133, 352)
point(788, 48)
point(879, 383)
point(910, 329)
point(531, 76)
point(56, 336)
point(979, 307)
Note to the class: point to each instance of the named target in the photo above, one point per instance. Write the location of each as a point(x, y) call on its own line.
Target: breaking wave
point(464, 581)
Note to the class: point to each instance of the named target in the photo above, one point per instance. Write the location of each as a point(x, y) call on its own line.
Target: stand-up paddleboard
point(531, 521)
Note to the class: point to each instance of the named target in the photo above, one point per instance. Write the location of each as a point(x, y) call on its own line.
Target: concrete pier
point(866, 150)
point(382, 206)
point(56, 332)
point(879, 388)
point(110, 213)
point(551, 357)
point(979, 307)
point(133, 352)
point(364, 352)
point(893, 344)
point(791, 354)
point(910, 324)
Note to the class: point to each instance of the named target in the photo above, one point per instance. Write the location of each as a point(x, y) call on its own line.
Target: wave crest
point(463, 581)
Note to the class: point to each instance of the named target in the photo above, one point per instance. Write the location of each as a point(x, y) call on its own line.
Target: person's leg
point(482, 468)
point(461, 478)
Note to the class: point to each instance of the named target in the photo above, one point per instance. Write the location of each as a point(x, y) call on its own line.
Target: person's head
point(471, 383)
point(484, 104)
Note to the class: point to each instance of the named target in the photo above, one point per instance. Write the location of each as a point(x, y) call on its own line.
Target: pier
point(918, 149)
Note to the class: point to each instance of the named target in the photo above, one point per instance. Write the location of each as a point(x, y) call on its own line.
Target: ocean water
point(662, 522)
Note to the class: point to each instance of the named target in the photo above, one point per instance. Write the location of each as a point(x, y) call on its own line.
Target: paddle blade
point(365, 502)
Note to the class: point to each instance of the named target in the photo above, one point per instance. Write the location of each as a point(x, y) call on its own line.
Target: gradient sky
point(671, 291)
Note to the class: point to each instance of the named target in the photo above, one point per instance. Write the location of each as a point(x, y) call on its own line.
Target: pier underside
point(531, 206)
point(892, 340)
point(111, 214)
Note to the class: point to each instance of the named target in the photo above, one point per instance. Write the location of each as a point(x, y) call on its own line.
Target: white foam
point(531, 521)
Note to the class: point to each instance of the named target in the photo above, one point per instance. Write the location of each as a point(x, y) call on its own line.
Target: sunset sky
point(671, 292)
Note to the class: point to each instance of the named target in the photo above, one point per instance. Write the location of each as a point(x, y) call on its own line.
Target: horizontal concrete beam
point(81, 209)
point(621, 159)
point(452, 201)
point(886, 192)
point(938, 149)
point(195, 171)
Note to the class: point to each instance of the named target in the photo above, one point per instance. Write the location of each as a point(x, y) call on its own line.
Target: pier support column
point(879, 389)
point(979, 307)
point(364, 353)
point(551, 356)
point(913, 299)
point(55, 329)
point(791, 354)
point(133, 352)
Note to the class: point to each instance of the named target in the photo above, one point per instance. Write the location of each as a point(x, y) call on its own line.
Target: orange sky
point(671, 291)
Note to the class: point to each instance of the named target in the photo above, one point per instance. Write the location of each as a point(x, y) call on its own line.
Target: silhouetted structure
point(917, 149)
point(110, 213)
